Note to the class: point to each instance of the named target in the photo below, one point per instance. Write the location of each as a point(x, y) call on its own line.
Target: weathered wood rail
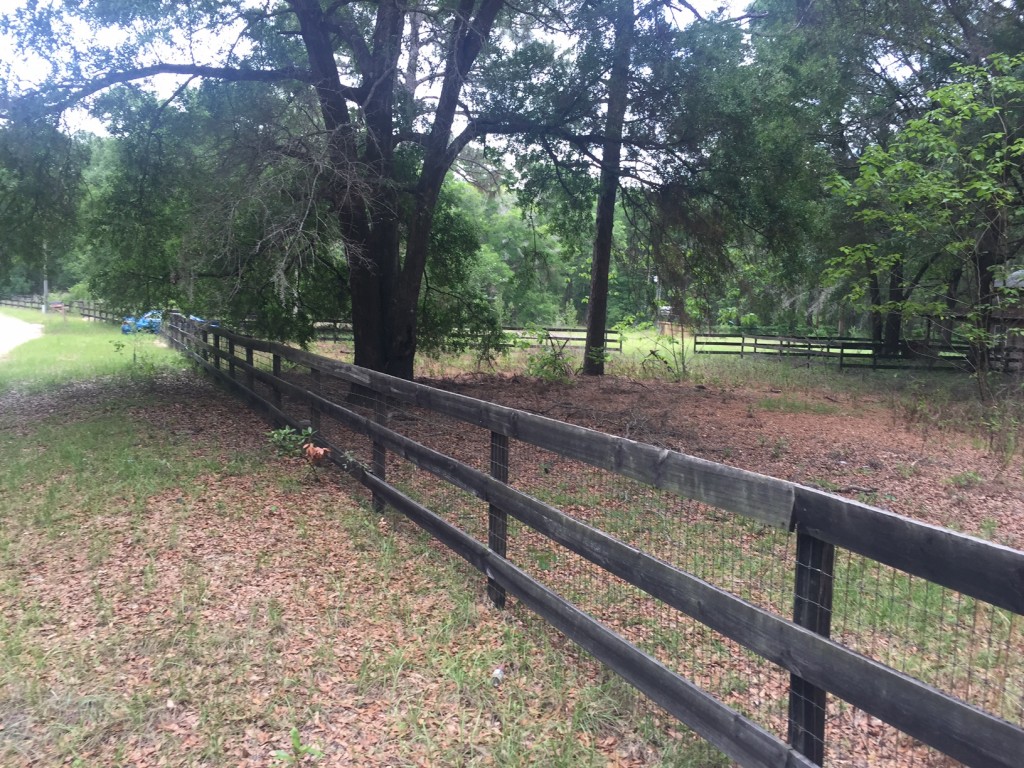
point(847, 351)
point(532, 337)
point(820, 666)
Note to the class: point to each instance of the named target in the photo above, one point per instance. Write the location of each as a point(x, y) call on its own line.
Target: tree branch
point(75, 94)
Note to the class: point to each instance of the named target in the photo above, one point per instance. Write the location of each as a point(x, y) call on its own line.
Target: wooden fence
point(531, 337)
point(23, 302)
point(850, 352)
point(562, 337)
point(822, 669)
point(94, 311)
point(88, 309)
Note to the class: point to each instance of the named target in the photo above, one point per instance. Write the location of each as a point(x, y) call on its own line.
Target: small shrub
point(552, 362)
point(288, 441)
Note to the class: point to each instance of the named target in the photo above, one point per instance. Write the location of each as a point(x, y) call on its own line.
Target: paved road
point(14, 332)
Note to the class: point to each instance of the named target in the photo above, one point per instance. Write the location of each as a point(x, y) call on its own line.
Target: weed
point(780, 448)
point(290, 442)
point(907, 471)
point(668, 356)
point(823, 483)
point(967, 479)
point(297, 752)
point(1003, 425)
point(552, 363)
point(868, 497)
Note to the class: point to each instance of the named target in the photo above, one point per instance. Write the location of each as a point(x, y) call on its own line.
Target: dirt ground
point(855, 445)
point(14, 332)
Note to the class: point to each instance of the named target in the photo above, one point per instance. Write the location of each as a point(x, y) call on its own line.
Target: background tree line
point(434, 171)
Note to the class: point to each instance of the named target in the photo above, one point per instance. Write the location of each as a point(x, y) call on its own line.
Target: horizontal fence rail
point(815, 669)
point(532, 337)
point(88, 309)
point(850, 352)
point(561, 336)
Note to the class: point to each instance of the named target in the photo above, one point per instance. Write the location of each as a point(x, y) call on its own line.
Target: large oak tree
point(393, 108)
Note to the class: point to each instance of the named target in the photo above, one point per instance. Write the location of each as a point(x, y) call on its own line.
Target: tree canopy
point(947, 197)
point(432, 170)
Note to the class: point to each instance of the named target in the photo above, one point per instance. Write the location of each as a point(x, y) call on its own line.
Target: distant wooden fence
point(819, 666)
point(88, 309)
point(850, 352)
point(23, 302)
point(94, 311)
point(529, 337)
point(562, 337)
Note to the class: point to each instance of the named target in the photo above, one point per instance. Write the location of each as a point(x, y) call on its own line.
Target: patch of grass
point(785, 404)
point(823, 483)
point(75, 349)
point(54, 473)
point(966, 479)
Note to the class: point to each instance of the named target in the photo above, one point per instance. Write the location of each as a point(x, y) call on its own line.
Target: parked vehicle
point(148, 323)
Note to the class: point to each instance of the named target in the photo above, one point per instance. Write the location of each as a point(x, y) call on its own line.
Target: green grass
point(785, 404)
point(75, 349)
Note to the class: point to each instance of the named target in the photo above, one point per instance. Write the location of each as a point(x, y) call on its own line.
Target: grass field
point(72, 349)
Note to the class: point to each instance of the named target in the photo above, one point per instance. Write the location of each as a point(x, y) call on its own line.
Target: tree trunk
point(875, 296)
point(611, 154)
point(894, 317)
point(394, 285)
point(951, 305)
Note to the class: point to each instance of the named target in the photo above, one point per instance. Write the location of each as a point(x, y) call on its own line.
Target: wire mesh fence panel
point(962, 646)
point(737, 555)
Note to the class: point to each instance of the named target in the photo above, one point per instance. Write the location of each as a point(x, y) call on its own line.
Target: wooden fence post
point(497, 518)
point(250, 377)
point(231, 358)
point(216, 350)
point(277, 375)
point(314, 412)
point(379, 465)
point(812, 608)
point(206, 345)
